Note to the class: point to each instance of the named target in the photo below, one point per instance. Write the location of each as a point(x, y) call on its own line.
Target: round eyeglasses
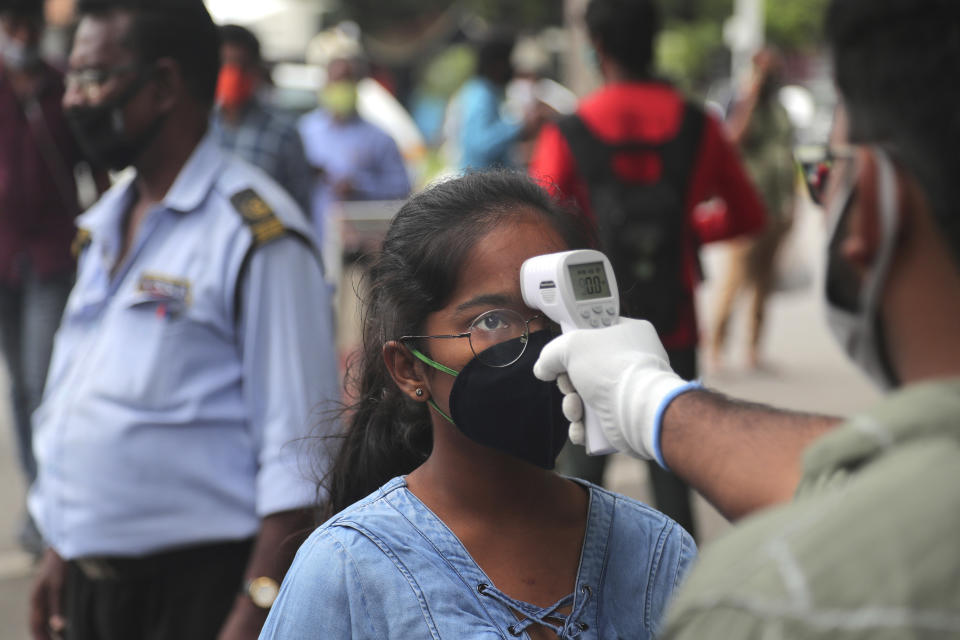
point(497, 337)
point(90, 81)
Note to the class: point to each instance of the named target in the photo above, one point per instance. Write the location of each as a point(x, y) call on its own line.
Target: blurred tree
point(686, 52)
point(518, 13)
point(795, 25)
point(375, 16)
point(691, 43)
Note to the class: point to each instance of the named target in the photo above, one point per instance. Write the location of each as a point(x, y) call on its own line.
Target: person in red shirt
point(634, 106)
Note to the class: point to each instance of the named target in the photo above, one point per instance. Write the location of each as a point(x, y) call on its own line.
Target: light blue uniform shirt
point(356, 151)
point(387, 568)
point(170, 417)
point(486, 137)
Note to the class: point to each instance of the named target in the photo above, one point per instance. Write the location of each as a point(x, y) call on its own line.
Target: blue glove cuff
point(693, 385)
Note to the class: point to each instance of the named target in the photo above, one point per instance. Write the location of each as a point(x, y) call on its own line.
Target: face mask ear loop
point(436, 365)
point(438, 410)
point(887, 193)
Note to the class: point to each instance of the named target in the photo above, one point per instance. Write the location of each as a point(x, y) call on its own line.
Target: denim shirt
point(388, 568)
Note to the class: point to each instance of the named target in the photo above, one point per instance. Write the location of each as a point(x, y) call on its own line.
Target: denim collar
point(585, 612)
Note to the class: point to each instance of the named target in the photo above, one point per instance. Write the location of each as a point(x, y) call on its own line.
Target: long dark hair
point(414, 274)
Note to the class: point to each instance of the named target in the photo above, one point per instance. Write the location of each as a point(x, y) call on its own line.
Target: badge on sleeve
point(258, 215)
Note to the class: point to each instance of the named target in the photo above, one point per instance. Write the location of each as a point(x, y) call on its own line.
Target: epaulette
point(80, 242)
point(258, 215)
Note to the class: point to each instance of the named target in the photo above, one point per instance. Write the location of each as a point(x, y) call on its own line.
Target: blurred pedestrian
point(244, 124)
point(38, 202)
point(352, 159)
point(760, 126)
point(481, 136)
point(194, 345)
point(638, 157)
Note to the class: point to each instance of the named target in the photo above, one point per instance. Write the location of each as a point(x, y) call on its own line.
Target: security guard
point(195, 344)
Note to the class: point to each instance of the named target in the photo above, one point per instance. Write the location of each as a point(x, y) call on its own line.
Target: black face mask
point(508, 408)
point(99, 130)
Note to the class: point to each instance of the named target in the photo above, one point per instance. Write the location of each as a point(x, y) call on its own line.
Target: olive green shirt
point(870, 547)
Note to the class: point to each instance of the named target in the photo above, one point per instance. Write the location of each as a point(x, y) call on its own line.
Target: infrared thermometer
point(577, 290)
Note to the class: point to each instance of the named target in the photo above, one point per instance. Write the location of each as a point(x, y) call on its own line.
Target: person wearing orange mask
point(245, 125)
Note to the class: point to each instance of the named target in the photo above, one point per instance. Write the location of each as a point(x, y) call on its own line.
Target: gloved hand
point(622, 372)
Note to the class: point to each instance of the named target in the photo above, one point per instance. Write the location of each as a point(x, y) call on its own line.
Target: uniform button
point(607, 322)
point(594, 322)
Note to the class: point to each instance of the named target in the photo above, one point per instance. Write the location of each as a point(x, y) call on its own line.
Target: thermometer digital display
point(577, 290)
point(589, 281)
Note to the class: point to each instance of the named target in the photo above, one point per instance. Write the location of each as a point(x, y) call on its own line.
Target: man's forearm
point(281, 534)
point(277, 542)
point(739, 456)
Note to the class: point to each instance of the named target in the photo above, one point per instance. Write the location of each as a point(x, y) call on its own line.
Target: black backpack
point(640, 224)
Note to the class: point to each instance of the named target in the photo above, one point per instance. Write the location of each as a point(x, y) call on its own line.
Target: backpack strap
point(594, 156)
point(679, 155)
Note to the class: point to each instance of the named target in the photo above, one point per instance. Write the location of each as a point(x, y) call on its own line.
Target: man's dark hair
point(179, 29)
point(625, 30)
point(896, 65)
point(493, 54)
point(243, 38)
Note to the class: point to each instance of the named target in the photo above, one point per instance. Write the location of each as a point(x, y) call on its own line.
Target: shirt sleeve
point(484, 134)
point(321, 595)
point(676, 560)
point(720, 173)
point(554, 167)
point(290, 381)
point(552, 163)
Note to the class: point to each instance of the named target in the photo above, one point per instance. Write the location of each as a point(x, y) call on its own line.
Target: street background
point(805, 371)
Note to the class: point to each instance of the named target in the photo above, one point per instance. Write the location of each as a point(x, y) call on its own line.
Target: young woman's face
point(489, 279)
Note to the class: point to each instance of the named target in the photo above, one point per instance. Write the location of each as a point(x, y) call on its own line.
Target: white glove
point(623, 373)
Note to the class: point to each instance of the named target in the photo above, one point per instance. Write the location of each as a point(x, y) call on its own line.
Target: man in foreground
point(867, 547)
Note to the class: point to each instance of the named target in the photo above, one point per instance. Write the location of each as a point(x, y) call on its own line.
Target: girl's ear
point(406, 371)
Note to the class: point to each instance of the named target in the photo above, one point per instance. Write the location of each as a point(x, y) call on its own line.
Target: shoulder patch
point(80, 242)
point(258, 215)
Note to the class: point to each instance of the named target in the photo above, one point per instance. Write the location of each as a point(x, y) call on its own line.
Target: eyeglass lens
point(498, 337)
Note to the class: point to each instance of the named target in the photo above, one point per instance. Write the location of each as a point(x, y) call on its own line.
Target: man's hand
point(244, 622)
point(623, 373)
point(46, 614)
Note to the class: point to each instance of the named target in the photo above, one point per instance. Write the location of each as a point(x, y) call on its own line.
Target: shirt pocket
point(139, 348)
